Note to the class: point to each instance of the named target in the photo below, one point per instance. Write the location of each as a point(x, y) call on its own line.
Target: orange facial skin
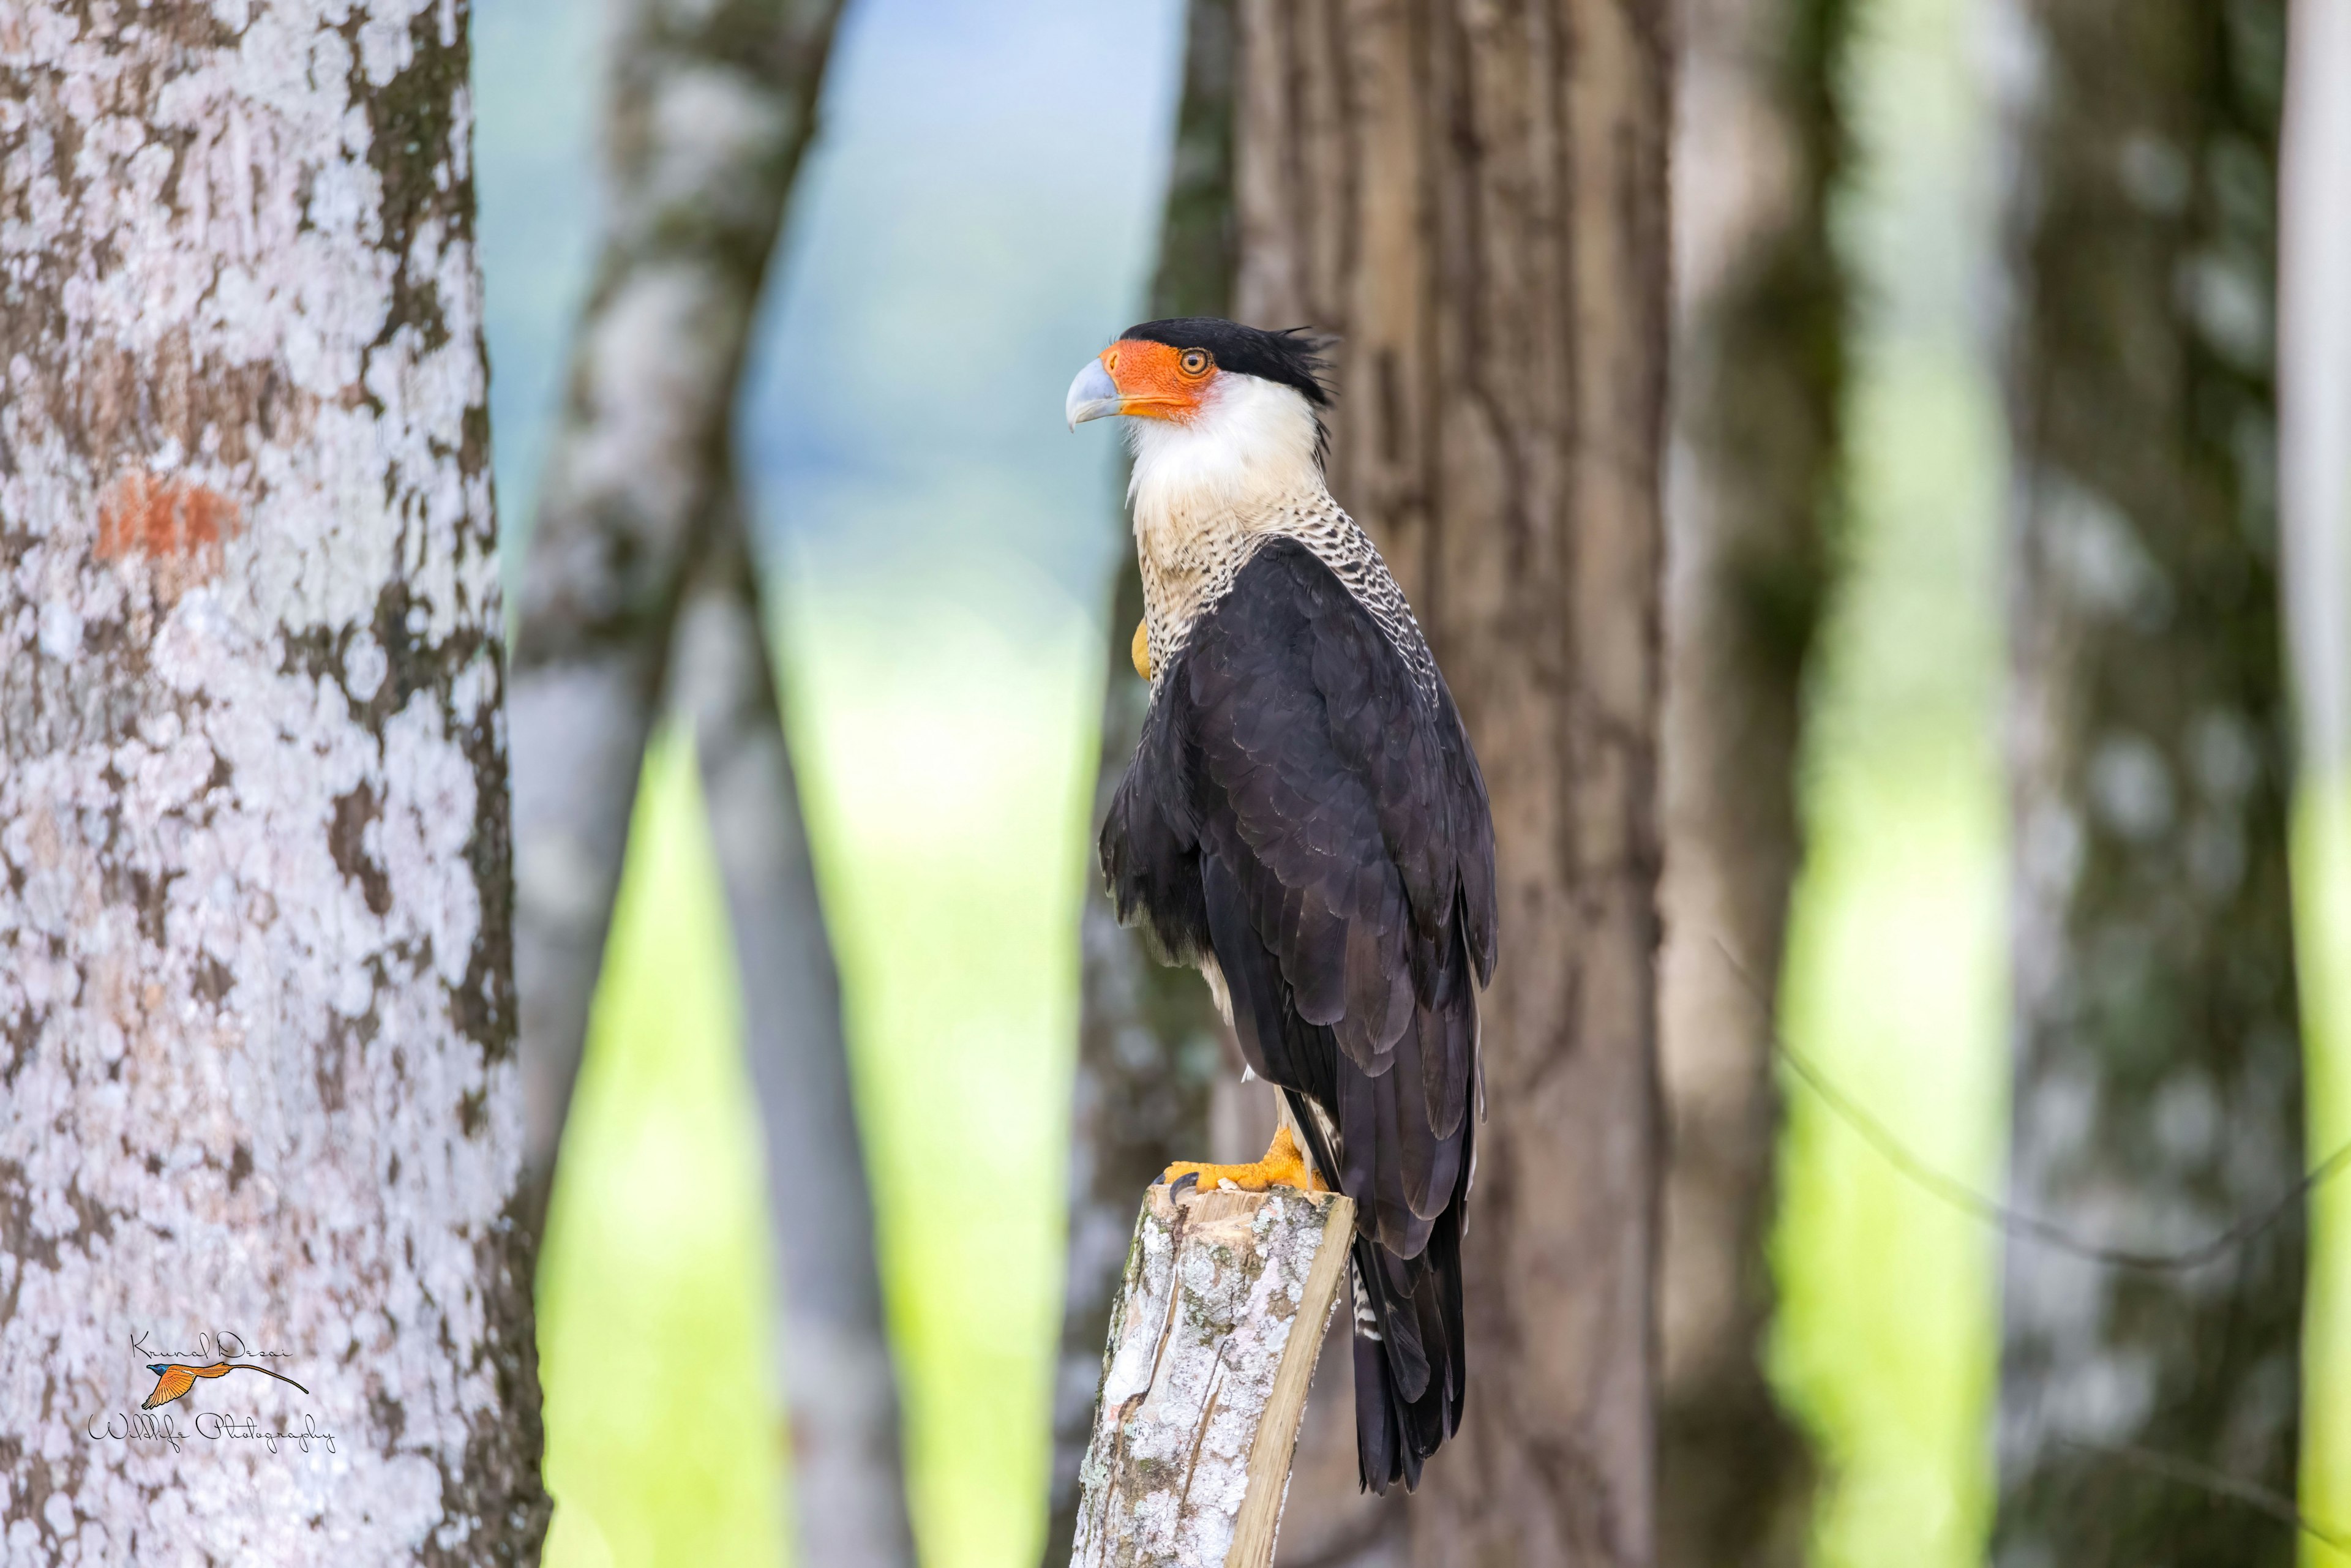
point(1156, 381)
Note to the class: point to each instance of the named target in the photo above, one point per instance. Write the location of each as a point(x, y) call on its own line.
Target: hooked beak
point(1093, 395)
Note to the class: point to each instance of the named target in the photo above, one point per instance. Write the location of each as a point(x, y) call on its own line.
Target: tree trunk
point(1761, 302)
point(712, 107)
point(2313, 348)
point(1213, 1338)
point(2313, 343)
point(641, 582)
point(262, 1101)
point(1151, 1053)
point(1473, 196)
point(2158, 1087)
point(831, 1351)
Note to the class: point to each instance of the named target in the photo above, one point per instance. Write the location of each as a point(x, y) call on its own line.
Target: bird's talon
point(1283, 1165)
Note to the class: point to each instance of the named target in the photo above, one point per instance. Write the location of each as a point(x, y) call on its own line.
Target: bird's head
point(1216, 401)
point(159, 1367)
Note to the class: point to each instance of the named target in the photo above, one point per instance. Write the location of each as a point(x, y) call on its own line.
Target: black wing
point(1304, 813)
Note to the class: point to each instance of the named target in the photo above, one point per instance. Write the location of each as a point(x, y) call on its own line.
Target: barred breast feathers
point(1207, 494)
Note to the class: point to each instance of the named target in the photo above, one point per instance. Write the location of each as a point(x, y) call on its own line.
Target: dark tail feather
point(1379, 1443)
point(1415, 1338)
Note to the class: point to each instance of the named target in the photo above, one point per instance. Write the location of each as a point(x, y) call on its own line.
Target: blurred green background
point(1887, 1339)
point(978, 218)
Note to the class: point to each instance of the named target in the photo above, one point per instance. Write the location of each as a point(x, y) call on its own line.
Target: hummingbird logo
point(174, 1381)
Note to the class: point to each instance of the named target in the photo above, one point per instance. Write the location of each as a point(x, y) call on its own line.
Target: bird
point(1304, 819)
point(173, 1380)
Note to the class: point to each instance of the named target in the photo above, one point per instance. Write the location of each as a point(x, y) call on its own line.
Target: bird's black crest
point(1292, 356)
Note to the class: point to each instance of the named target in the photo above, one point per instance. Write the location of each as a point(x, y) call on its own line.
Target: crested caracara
point(1304, 821)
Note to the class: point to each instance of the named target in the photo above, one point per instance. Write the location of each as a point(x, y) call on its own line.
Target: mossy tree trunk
point(2158, 1088)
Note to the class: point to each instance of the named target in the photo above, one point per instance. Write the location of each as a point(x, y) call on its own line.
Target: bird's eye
point(1194, 362)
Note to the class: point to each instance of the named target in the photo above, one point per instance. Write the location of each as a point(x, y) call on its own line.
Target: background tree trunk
point(2314, 383)
point(831, 1354)
point(712, 107)
point(1151, 1049)
point(1761, 304)
point(2314, 348)
point(2158, 1087)
point(1473, 196)
point(640, 581)
point(254, 973)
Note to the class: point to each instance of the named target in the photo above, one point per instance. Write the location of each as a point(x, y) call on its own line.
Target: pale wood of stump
point(1206, 1376)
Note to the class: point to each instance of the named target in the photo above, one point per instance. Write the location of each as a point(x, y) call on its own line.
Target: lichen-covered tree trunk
point(1150, 1047)
point(1473, 197)
point(261, 1094)
point(1213, 1339)
point(836, 1384)
point(1760, 374)
point(641, 587)
point(2158, 1069)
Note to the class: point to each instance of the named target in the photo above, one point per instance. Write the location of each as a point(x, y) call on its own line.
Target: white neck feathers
point(1249, 449)
point(1206, 492)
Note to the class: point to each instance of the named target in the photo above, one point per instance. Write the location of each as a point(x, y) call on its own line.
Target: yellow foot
point(1283, 1165)
point(1140, 649)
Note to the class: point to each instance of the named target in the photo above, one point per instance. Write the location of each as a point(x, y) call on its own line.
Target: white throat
point(1207, 491)
point(1251, 445)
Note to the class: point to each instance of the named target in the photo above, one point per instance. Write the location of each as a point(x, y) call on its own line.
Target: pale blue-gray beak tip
point(1092, 396)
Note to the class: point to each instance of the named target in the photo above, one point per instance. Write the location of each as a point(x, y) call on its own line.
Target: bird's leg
point(1283, 1165)
point(1139, 650)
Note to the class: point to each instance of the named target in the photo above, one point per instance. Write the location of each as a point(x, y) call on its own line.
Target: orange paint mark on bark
point(165, 519)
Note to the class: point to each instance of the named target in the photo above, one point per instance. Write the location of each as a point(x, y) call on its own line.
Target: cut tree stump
point(1206, 1376)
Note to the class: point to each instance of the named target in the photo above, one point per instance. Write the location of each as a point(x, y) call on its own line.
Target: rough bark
point(1473, 197)
point(1213, 1338)
point(2158, 1075)
point(830, 1349)
point(261, 1095)
point(712, 107)
point(1152, 1056)
point(1761, 303)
